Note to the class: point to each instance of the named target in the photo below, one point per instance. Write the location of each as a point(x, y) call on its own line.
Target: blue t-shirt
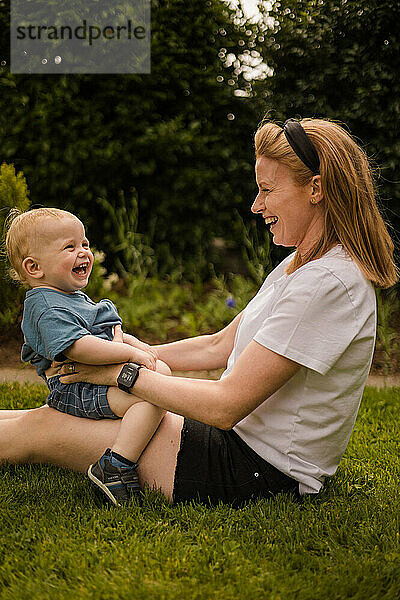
point(53, 321)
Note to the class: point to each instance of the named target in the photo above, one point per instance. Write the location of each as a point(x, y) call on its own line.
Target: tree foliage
point(81, 138)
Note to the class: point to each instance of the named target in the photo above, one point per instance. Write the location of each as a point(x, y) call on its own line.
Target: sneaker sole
point(100, 486)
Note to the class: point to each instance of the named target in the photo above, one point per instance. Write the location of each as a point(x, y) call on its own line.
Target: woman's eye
point(69, 246)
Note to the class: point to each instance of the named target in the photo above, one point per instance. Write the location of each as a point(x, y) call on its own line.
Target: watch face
point(128, 376)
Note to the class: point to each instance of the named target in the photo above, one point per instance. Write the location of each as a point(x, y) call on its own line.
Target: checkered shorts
point(79, 399)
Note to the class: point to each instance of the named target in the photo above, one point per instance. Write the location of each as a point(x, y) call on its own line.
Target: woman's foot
point(113, 480)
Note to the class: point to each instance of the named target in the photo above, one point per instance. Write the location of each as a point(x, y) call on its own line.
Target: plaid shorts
point(79, 399)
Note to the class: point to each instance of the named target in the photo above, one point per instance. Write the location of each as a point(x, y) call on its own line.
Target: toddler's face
point(63, 254)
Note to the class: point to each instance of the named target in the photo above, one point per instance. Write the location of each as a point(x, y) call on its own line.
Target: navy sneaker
point(118, 485)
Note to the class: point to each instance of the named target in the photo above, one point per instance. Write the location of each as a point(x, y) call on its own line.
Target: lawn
point(56, 543)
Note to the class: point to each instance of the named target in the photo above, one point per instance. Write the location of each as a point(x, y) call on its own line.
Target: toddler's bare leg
point(137, 428)
point(120, 402)
point(140, 420)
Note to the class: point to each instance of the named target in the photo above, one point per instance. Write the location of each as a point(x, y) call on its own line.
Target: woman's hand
point(100, 374)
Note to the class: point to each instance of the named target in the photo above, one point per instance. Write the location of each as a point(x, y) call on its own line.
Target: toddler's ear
point(32, 268)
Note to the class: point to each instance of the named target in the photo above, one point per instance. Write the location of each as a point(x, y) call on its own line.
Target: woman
point(297, 358)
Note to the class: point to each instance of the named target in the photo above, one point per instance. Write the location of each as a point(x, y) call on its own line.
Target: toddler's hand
point(135, 343)
point(145, 354)
point(118, 334)
point(144, 358)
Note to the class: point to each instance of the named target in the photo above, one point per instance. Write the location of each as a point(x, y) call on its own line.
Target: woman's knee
point(36, 417)
point(34, 426)
point(17, 436)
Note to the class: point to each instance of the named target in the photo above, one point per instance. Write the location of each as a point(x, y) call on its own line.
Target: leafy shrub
point(14, 193)
point(100, 283)
point(159, 310)
point(387, 351)
point(132, 252)
point(255, 249)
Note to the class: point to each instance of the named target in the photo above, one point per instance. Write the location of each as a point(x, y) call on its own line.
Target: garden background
point(160, 168)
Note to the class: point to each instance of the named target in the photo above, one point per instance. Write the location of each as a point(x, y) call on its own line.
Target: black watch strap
point(128, 375)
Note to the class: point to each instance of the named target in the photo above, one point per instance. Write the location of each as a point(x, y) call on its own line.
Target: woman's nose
point(257, 205)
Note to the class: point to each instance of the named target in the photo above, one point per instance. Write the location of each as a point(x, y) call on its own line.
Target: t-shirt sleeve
point(313, 321)
point(57, 329)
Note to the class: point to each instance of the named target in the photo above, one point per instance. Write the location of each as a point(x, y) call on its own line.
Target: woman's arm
point(199, 353)
point(92, 350)
point(258, 373)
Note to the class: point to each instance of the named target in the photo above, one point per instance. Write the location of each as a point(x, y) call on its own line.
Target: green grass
point(56, 543)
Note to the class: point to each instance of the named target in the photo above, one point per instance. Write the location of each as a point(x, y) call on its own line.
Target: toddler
point(48, 250)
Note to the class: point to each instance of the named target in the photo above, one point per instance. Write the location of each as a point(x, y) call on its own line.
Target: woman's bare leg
point(44, 435)
point(158, 462)
point(16, 443)
point(13, 414)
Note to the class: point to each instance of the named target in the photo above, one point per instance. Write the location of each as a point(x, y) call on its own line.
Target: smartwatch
point(128, 375)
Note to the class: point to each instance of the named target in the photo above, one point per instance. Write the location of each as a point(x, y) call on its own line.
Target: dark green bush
point(14, 193)
point(79, 138)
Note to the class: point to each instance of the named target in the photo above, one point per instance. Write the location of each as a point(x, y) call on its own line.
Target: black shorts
point(215, 466)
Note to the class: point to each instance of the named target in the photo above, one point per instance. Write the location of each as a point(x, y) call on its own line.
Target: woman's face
point(300, 222)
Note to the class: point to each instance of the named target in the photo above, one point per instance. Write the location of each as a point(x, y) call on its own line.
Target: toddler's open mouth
point(81, 270)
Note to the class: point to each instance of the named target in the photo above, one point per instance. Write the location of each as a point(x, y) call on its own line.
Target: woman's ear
point(316, 191)
point(32, 268)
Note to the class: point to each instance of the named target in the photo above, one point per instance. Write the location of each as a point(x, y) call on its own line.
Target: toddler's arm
point(136, 343)
point(92, 350)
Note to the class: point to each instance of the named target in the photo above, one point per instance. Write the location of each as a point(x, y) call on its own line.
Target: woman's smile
point(273, 225)
point(270, 220)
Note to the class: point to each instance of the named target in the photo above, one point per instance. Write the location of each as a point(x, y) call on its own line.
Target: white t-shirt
point(323, 316)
